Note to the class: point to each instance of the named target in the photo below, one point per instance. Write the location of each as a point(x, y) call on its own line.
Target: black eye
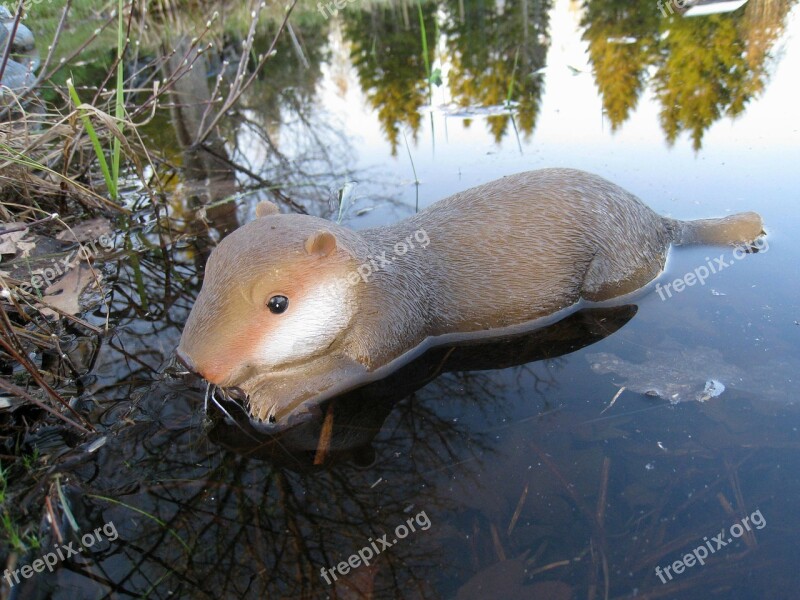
point(278, 304)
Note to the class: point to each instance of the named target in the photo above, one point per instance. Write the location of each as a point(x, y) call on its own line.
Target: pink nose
point(211, 372)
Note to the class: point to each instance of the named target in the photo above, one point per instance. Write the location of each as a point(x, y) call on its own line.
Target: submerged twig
point(613, 400)
point(8, 344)
point(518, 510)
point(324, 444)
point(18, 391)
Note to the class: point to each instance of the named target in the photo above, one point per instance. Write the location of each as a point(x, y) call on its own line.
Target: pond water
point(523, 470)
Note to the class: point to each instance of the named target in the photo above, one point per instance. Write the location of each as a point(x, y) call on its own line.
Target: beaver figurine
point(295, 309)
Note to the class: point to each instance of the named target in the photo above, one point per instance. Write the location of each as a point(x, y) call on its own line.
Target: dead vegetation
point(78, 182)
point(54, 173)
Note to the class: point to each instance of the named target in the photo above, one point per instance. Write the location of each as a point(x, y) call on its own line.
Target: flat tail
point(741, 228)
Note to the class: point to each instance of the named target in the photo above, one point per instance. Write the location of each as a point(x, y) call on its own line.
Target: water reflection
point(208, 174)
point(497, 50)
point(623, 39)
point(492, 54)
point(700, 69)
point(541, 506)
point(228, 522)
point(710, 67)
point(386, 51)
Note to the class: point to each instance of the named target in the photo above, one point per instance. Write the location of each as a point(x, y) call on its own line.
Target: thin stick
point(34, 372)
point(324, 445)
point(601, 500)
point(42, 77)
point(53, 520)
point(613, 400)
point(498, 546)
point(18, 391)
point(234, 97)
point(518, 510)
point(24, 226)
point(553, 565)
point(61, 312)
point(601, 515)
point(749, 535)
point(10, 42)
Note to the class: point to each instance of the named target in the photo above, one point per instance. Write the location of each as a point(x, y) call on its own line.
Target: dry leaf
point(86, 231)
point(25, 248)
point(9, 241)
point(65, 293)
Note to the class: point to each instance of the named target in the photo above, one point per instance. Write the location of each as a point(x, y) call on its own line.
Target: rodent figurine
point(295, 308)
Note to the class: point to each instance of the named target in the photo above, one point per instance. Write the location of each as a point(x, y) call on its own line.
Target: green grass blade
point(119, 104)
point(66, 507)
point(146, 514)
point(98, 149)
point(424, 37)
point(413, 168)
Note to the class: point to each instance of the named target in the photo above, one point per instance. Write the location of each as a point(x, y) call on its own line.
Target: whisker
point(218, 404)
point(227, 414)
point(205, 398)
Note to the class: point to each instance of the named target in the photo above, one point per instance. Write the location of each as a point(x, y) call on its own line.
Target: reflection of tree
point(387, 54)
point(763, 22)
point(293, 71)
point(282, 145)
point(484, 43)
point(622, 36)
point(706, 67)
point(281, 138)
point(704, 75)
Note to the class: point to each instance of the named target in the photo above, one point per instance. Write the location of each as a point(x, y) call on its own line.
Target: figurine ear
point(266, 208)
point(321, 243)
